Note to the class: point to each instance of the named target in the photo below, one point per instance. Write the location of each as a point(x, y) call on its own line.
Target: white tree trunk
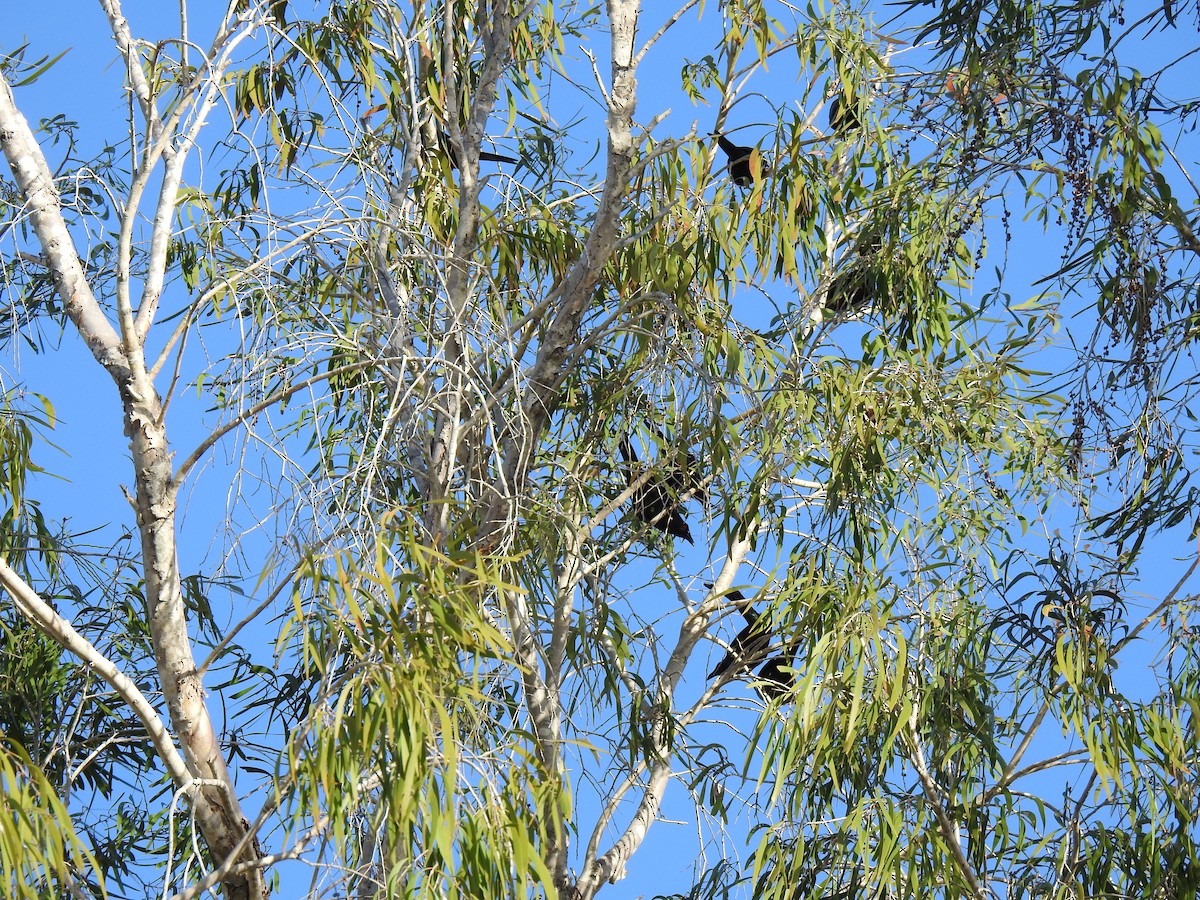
point(215, 804)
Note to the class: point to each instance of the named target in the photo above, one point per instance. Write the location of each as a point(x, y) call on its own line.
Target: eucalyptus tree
point(486, 322)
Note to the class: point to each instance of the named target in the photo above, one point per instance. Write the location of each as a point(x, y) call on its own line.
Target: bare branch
point(933, 794)
point(36, 182)
point(277, 397)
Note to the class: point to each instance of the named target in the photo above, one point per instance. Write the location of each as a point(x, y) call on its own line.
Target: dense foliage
point(520, 397)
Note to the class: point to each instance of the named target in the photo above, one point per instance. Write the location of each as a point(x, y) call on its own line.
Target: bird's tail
point(627, 453)
point(484, 156)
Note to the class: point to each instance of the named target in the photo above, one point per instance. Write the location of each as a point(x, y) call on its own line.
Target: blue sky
point(86, 86)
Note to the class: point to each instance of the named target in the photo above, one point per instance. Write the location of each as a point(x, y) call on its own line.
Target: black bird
point(843, 114)
point(683, 476)
point(852, 291)
point(427, 75)
point(685, 479)
point(744, 162)
point(446, 146)
point(654, 502)
point(751, 642)
point(773, 682)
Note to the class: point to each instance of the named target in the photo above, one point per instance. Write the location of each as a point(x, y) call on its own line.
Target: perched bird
point(851, 292)
point(654, 502)
point(751, 643)
point(868, 274)
point(843, 114)
point(435, 139)
point(683, 476)
point(773, 682)
point(446, 146)
point(746, 164)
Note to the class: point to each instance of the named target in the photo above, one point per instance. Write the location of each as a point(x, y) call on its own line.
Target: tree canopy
point(741, 447)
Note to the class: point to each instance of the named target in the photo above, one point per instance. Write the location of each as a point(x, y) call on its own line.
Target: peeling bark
point(218, 813)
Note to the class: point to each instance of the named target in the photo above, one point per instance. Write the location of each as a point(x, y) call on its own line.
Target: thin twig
point(54, 626)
